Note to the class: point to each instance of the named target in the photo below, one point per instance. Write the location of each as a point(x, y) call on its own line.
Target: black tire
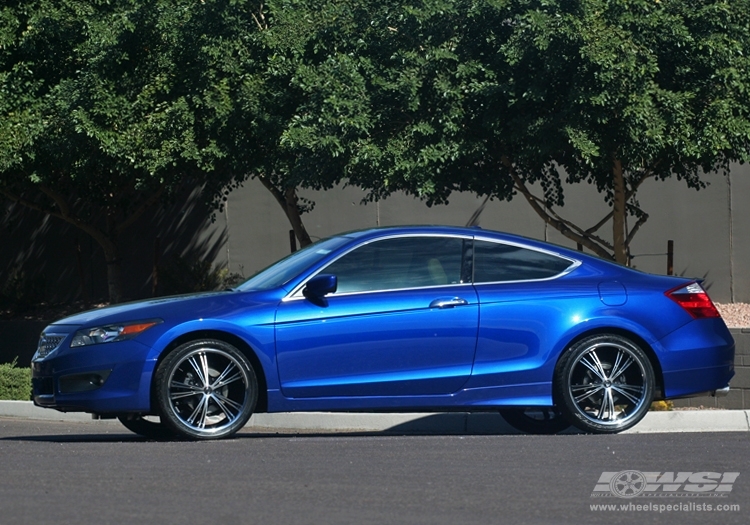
point(535, 420)
point(148, 429)
point(206, 389)
point(604, 384)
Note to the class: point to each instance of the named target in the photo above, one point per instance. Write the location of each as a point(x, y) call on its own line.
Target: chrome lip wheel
point(208, 390)
point(609, 383)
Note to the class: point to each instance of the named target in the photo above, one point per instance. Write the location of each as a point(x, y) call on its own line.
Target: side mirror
point(320, 285)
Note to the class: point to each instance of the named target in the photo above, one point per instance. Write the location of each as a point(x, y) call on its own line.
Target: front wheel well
point(638, 340)
point(241, 345)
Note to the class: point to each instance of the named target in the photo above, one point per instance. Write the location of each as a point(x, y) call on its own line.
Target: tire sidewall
point(564, 371)
point(163, 401)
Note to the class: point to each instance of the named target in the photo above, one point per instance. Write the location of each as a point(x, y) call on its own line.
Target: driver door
point(403, 322)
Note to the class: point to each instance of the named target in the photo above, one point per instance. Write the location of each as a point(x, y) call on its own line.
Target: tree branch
point(628, 196)
point(641, 220)
point(276, 192)
point(558, 224)
point(260, 20)
point(94, 232)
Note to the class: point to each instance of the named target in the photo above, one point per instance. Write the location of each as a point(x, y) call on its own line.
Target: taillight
point(694, 299)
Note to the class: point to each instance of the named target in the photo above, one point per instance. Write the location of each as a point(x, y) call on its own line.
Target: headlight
point(111, 333)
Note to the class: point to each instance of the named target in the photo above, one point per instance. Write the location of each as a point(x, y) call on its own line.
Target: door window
point(401, 262)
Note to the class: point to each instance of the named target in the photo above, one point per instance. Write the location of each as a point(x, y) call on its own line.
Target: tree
point(110, 108)
point(254, 101)
point(95, 123)
point(496, 97)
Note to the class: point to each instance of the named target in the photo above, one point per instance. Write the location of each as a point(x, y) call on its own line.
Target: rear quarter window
point(497, 262)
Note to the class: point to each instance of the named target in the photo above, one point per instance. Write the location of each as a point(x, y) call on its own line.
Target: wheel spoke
point(607, 409)
point(199, 368)
point(590, 390)
point(223, 378)
point(584, 387)
point(618, 368)
point(201, 411)
point(595, 367)
point(188, 390)
point(622, 390)
point(204, 366)
point(226, 405)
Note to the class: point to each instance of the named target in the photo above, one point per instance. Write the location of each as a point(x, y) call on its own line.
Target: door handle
point(448, 302)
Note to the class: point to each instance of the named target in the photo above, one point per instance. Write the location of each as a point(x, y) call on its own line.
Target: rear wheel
point(206, 389)
point(604, 384)
point(535, 420)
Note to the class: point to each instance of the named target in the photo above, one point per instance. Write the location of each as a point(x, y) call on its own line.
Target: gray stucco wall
point(710, 228)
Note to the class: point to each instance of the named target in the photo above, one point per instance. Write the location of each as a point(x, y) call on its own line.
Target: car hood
point(204, 304)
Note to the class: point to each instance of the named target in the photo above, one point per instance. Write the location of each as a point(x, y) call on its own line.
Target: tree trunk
point(295, 219)
point(287, 199)
point(618, 214)
point(106, 238)
point(112, 258)
point(114, 280)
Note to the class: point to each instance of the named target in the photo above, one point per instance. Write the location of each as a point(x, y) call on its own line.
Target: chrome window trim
point(296, 292)
point(575, 263)
point(384, 290)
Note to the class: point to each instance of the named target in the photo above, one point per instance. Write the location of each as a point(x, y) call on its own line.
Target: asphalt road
point(79, 473)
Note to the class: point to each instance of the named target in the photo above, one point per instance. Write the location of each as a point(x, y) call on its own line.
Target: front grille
point(48, 343)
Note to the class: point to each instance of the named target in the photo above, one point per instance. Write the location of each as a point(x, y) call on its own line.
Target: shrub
point(662, 406)
point(15, 383)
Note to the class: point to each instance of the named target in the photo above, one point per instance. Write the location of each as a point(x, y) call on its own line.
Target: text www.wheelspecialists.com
point(688, 507)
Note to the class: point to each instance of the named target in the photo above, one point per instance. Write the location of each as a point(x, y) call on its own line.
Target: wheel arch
point(628, 334)
point(239, 343)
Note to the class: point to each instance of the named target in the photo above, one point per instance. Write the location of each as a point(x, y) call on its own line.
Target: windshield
point(279, 273)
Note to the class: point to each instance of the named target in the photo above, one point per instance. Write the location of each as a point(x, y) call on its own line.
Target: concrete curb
point(440, 423)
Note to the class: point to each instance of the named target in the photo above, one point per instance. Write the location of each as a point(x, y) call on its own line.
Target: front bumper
point(105, 378)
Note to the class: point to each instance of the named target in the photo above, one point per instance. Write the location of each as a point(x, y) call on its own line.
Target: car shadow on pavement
point(109, 431)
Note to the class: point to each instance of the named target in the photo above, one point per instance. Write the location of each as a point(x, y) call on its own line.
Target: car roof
point(461, 231)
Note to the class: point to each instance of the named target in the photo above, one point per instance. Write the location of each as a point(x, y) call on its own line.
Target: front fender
point(259, 338)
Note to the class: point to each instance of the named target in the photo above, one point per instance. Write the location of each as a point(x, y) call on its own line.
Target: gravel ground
point(736, 315)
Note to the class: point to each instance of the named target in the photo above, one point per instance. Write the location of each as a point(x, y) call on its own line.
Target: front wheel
point(604, 384)
point(206, 389)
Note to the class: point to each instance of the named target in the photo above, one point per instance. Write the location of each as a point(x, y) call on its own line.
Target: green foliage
point(662, 406)
point(498, 97)
point(106, 108)
point(15, 383)
point(181, 275)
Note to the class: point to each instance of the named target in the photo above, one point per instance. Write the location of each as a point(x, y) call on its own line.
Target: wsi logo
point(634, 483)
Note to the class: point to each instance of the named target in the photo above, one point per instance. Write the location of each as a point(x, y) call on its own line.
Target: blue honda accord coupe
point(396, 319)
